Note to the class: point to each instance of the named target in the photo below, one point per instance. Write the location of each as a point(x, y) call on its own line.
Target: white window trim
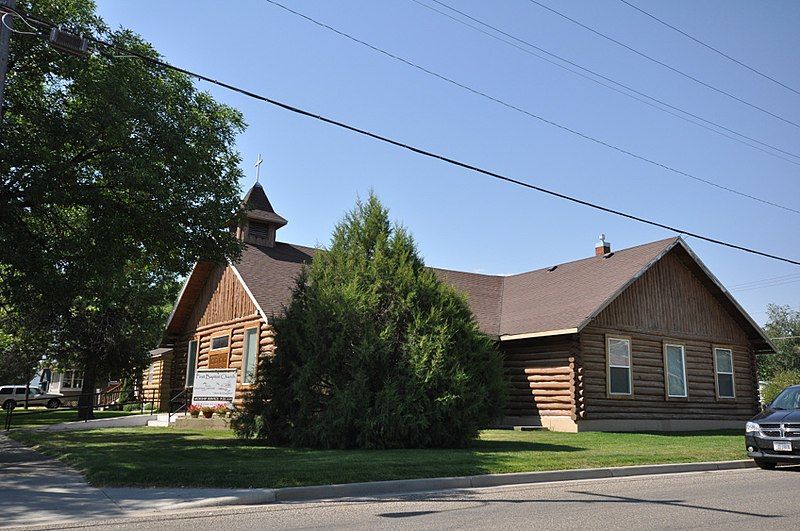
point(246, 358)
point(717, 372)
point(683, 366)
point(609, 365)
point(188, 356)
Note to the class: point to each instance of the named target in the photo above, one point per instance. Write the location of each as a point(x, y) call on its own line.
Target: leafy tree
point(783, 325)
point(374, 351)
point(115, 176)
point(21, 350)
point(779, 381)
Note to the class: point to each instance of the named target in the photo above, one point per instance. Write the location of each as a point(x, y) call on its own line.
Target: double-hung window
point(250, 355)
point(191, 363)
point(723, 366)
point(618, 355)
point(675, 369)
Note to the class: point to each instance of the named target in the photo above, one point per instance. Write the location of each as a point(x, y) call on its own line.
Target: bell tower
point(261, 221)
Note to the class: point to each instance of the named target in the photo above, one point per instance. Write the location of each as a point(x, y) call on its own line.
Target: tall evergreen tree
point(374, 351)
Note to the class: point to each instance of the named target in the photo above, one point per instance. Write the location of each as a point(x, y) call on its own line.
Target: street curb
point(411, 486)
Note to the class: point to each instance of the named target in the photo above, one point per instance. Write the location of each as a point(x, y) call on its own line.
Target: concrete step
point(165, 419)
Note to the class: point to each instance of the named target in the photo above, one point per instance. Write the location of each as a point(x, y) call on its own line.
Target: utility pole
point(5, 34)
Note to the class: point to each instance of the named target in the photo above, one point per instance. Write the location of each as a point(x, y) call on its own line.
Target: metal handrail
point(173, 400)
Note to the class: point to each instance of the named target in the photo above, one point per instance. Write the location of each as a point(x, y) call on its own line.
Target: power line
point(766, 283)
point(665, 65)
point(713, 49)
point(606, 78)
point(770, 279)
point(526, 112)
point(421, 151)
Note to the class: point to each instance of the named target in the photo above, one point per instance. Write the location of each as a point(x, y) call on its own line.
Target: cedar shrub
point(373, 351)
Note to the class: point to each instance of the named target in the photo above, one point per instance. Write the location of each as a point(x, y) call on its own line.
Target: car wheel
point(9, 404)
point(766, 465)
point(53, 403)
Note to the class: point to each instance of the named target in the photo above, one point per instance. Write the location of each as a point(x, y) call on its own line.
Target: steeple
point(260, 221)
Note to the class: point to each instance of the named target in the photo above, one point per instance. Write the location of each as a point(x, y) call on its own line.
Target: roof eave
point(544, 333)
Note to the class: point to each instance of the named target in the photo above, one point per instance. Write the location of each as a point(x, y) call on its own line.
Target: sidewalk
point(35, 489)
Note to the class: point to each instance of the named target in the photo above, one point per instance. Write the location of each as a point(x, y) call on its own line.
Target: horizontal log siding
point(669, 299)
point(157, 390)
point(649, 399)
point(224, 308)
point(541, 376)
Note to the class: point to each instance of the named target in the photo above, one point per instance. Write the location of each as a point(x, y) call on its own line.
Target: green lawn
point(168, 457)
point(40, 416)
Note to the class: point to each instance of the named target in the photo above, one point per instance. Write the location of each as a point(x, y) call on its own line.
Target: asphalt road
point(749, 498)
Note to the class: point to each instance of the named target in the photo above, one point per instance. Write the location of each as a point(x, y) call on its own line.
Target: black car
point(773, 436)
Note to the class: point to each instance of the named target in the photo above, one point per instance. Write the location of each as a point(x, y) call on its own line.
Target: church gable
point(223, 298)
point(672, 299)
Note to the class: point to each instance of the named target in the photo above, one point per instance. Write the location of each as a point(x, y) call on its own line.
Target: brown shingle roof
point(544, 300)
point(484, 293)
point(565, 297)
point(537, 301)
point(259, 207)
point(270, 273)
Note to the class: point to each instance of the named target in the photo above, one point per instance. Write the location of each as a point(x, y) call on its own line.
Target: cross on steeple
point(258, 166)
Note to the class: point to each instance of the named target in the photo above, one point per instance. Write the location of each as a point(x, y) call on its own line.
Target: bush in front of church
point(374, 351)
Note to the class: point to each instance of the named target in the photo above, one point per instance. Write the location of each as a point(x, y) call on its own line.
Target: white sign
point(214, 386)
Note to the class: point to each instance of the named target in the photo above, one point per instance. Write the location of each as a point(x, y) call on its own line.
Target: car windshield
point(788, 399)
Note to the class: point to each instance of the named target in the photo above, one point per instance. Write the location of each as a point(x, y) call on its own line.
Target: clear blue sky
point(313, 172)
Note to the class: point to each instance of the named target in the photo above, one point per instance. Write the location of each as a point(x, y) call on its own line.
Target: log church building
point(644, 338)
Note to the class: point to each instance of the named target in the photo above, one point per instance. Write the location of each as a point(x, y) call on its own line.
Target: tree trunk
point(27, 392)
point(86, 399)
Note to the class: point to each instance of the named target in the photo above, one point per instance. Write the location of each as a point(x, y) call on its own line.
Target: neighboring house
point(67, 382)
point(644, 338)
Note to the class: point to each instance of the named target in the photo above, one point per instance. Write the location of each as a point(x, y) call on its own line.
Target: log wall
point(224, 309)
point(541, 375)
point(649, 399)
point(669, 303)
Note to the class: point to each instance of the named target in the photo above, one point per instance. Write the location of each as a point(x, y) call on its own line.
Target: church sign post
point(214, 386)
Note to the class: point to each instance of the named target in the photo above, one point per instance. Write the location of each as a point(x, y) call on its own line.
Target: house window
point(723, 365)
point(72, 380)
point(219, 342)
point(619, 366)
point(250, 355)
point(675, 368)
point(191, 363)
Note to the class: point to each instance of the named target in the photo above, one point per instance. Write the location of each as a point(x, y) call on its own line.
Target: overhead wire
point(423, 152)
point(631, 92)
point(665, 65)
point(712, 48)
point(531, 114)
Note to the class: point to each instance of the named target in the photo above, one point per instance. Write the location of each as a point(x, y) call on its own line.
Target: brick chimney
point(602, 247)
